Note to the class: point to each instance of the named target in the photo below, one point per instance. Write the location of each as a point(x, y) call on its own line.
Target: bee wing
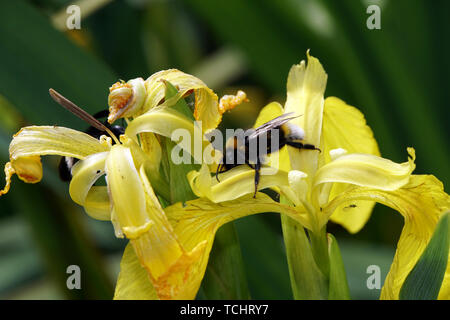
point(276, 122)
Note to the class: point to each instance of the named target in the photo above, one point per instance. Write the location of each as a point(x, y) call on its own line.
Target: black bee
point(251, 147)
point(96, 130)
point(66, 163)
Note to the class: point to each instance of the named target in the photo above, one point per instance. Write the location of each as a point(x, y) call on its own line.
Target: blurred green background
point(397, 76)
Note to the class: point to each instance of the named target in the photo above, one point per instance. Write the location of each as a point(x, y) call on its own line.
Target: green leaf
point(338, 279)
point(264, 256)
point(180, 189)
point(425, 279)
point(37, 57)
point(225, 277)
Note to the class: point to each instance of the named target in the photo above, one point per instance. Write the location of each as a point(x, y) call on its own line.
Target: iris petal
point(31, 142)
point(364, 170)
point(206, 101)
point(305, 90)
point(84, 174)
point(164, 121)
point(133, 282)
point(421, 202)
point(234, 183)
point(49, 140)
point(345, 127)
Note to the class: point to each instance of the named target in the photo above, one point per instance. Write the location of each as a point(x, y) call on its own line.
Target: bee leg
point(257, 175)
point(217, 172)
point(300, 145)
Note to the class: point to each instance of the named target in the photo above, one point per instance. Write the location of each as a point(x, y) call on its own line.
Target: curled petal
point(126, 191)
point(166, 122)
point(50, 140)
point(421, 202)
point(234, 183)
point(142, 219)
point(206, 102)
point(97, 203)
point(126, 99)
point(31, 142)
point(84, 174)
point(363, 170)
point(28, 169)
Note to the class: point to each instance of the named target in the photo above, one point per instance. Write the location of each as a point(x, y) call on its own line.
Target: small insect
point(96, 130)
point(238, 150)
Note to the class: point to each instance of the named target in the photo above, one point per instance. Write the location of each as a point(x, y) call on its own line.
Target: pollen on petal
point(120, 94)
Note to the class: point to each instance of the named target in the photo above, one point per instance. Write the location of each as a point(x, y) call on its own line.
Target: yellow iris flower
point(343, 182)
point(169, 247)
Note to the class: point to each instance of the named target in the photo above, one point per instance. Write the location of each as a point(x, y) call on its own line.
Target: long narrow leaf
point(425, 279)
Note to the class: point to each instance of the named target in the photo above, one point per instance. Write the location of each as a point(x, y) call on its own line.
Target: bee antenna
point(80, 113)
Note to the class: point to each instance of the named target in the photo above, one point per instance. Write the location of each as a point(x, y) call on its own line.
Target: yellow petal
point(28, 169)
point(198, 220)
point(234, 183)
point(167, 262)
point(421, 202)
point(344, 126)
point(278, 159)
point(31, 142)
point(97, 203)
point(164, 121)
point(133, 282)
point(206, 101)
point(141, 218)
point(305, 90)
point(363, 170)
point(126, 190)
point(48, 140)
point(84, 174)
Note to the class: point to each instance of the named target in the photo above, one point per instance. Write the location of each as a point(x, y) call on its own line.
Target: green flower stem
point(319, 245)
point(307, 281)
point(225, 277)
point(338, 279)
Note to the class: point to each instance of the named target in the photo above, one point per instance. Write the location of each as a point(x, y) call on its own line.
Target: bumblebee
point(252, 147)
point(66, 163)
